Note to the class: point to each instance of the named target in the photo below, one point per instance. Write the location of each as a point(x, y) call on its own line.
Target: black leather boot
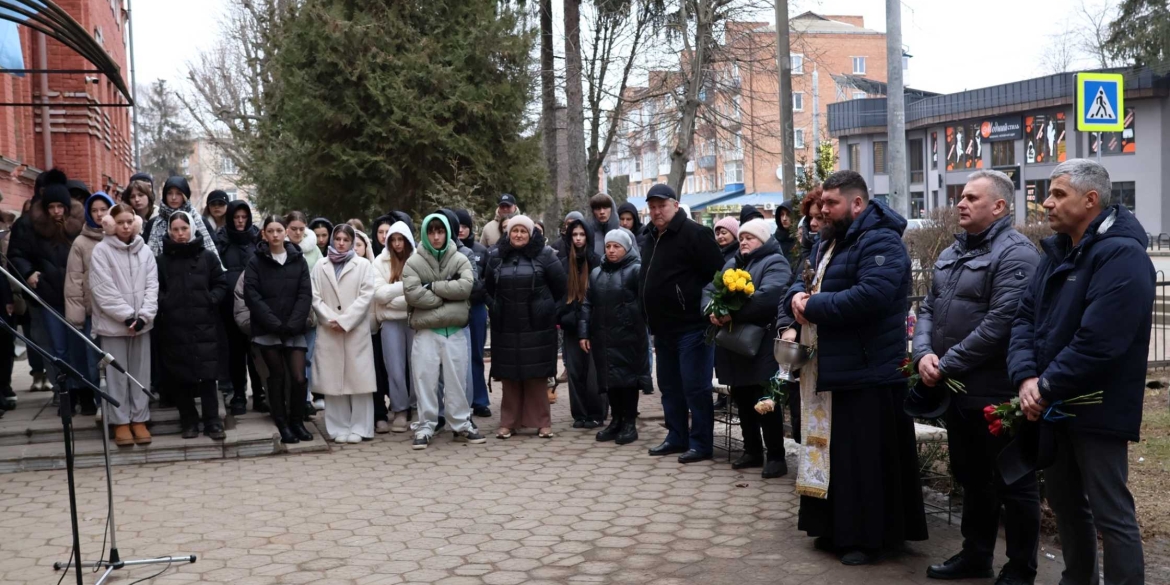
point(610, 432)
point(298, 428)
point(628, 434)
point(286, 436)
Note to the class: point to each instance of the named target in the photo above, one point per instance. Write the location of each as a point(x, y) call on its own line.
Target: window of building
point(879, 157)
point(733, 171)
point(799, 170)
point(1035, 192)
point(798, 138)
point(954, 194)
point(637, 164)
point(916, 162)
point(855, 157)
point(917, 204)
point(859, 65)
point(1003, 153)
point(797, 64)
point(228, 166)
point(859, 95)
point(933, 150)
point(1125, 193)
point(232, 195)
point(934, 199)
point(797, 101)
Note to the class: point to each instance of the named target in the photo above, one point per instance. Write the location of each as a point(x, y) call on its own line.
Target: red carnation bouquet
point(1005, 418)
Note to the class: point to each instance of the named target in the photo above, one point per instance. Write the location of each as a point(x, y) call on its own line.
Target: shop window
point(1003, 153)
point(879, 157)
point(1125, 193)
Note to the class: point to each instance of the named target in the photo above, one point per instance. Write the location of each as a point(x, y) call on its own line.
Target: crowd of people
point(201, 303)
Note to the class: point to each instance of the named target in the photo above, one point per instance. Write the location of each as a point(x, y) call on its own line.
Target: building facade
point(209, 169)
point(736, 152)
point(91, 144)
point(1025, 129)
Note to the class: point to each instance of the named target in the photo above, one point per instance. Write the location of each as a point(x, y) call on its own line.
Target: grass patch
point(1149, 467)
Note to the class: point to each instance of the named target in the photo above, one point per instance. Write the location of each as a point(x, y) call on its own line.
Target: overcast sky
point(955, 46)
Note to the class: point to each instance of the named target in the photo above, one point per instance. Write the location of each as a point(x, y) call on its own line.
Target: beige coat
point(343, 360)
point(77, 306)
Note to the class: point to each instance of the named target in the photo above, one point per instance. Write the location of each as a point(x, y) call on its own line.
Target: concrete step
point(47, 428)
point(250, 436)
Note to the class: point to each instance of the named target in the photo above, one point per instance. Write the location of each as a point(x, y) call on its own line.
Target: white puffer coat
point(390, 298)
point(123, 283)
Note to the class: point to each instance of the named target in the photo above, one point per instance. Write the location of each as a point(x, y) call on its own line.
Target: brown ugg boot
point(122, 436)
point(141, 435)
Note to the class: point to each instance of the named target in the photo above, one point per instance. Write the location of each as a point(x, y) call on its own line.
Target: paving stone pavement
point(524, 510)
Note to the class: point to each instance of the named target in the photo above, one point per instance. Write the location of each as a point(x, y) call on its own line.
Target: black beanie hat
point(321, 222)
point(217, 195)
point(78, 190)
point(465, 218)
point(56, 194)
point(142, 177)
point(452, 220)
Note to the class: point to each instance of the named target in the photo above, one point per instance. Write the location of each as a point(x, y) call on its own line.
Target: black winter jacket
point(45, 249)
point(637, 229)
point(279, 296)
point(966, 318)
point(1084, 324)
point(861, 309)
point(770, 271)
point(613, 322)
point(191, 286)
point(236, 247)
point(478, 257)
point(524, 285)
point(567, 316)
point(676, 264)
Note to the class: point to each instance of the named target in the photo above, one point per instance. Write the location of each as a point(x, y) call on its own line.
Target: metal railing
point(1158, 242)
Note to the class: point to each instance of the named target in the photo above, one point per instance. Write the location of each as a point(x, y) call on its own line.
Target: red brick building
point(91, 144)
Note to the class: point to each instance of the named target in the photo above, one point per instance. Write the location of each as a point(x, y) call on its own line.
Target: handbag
point(743, 339)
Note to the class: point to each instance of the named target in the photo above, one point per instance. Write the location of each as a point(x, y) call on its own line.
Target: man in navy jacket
point(1084, 326)
point(874, 499)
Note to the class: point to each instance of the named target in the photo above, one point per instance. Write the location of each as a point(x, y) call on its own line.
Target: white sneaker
point(355, 438)
point(399, 424)
point(319, 404)
point(341, 439)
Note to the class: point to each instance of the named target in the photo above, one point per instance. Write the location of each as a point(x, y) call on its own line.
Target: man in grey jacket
point(962, 334)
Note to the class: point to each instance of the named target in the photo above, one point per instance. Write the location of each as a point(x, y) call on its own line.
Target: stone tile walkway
point(525, 510)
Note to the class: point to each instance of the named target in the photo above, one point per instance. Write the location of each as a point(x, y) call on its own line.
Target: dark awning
point(46, 17)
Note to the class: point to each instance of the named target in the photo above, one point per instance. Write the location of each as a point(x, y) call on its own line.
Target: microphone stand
point(64, 372)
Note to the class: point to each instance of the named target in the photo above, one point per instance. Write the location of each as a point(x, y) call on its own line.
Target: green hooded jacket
point(443, 305)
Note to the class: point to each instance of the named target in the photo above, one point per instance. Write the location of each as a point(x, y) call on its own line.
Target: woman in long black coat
point(279, 296)
point(749, 376)
point(578, 259)
point(191, 286)
point(524, 279)
point(236, 242)
point(613, 332)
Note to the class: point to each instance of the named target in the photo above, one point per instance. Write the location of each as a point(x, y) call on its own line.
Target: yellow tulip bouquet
point(733, 288)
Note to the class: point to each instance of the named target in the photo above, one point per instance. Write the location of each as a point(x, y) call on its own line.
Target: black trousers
point(973, 453)
point(286, 382)
point(184, 397)
point(794, 409)
point(240, 365)
point(7, 350)
point(382, 390)
point(753, 424)
point(623, 403)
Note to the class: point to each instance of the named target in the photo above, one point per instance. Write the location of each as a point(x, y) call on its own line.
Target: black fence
point(1158, 242)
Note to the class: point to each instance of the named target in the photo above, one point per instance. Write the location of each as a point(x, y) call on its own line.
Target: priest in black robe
point(861, 495)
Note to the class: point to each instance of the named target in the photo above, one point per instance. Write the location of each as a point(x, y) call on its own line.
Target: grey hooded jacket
point(966, 318)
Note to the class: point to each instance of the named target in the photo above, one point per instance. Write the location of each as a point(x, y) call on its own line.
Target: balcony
point(707, 162)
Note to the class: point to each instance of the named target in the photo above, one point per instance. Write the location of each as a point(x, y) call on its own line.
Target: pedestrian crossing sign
point(1100, 102)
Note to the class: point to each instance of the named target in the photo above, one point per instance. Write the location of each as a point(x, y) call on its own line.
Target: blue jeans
point(311, 339)
point(685, 365)
point(73, 350)
point(478, 324)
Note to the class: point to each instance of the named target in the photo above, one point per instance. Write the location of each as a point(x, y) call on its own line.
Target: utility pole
point(133, 88)
point(816, 112)
point(896, 111)
point(784, 62)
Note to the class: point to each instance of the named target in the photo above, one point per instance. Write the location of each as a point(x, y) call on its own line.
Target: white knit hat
point(522, 220)
point(758, 228)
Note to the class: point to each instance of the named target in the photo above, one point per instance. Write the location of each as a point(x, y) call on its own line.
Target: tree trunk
point(580, 185)
point(681, 154)
point(548, 102)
